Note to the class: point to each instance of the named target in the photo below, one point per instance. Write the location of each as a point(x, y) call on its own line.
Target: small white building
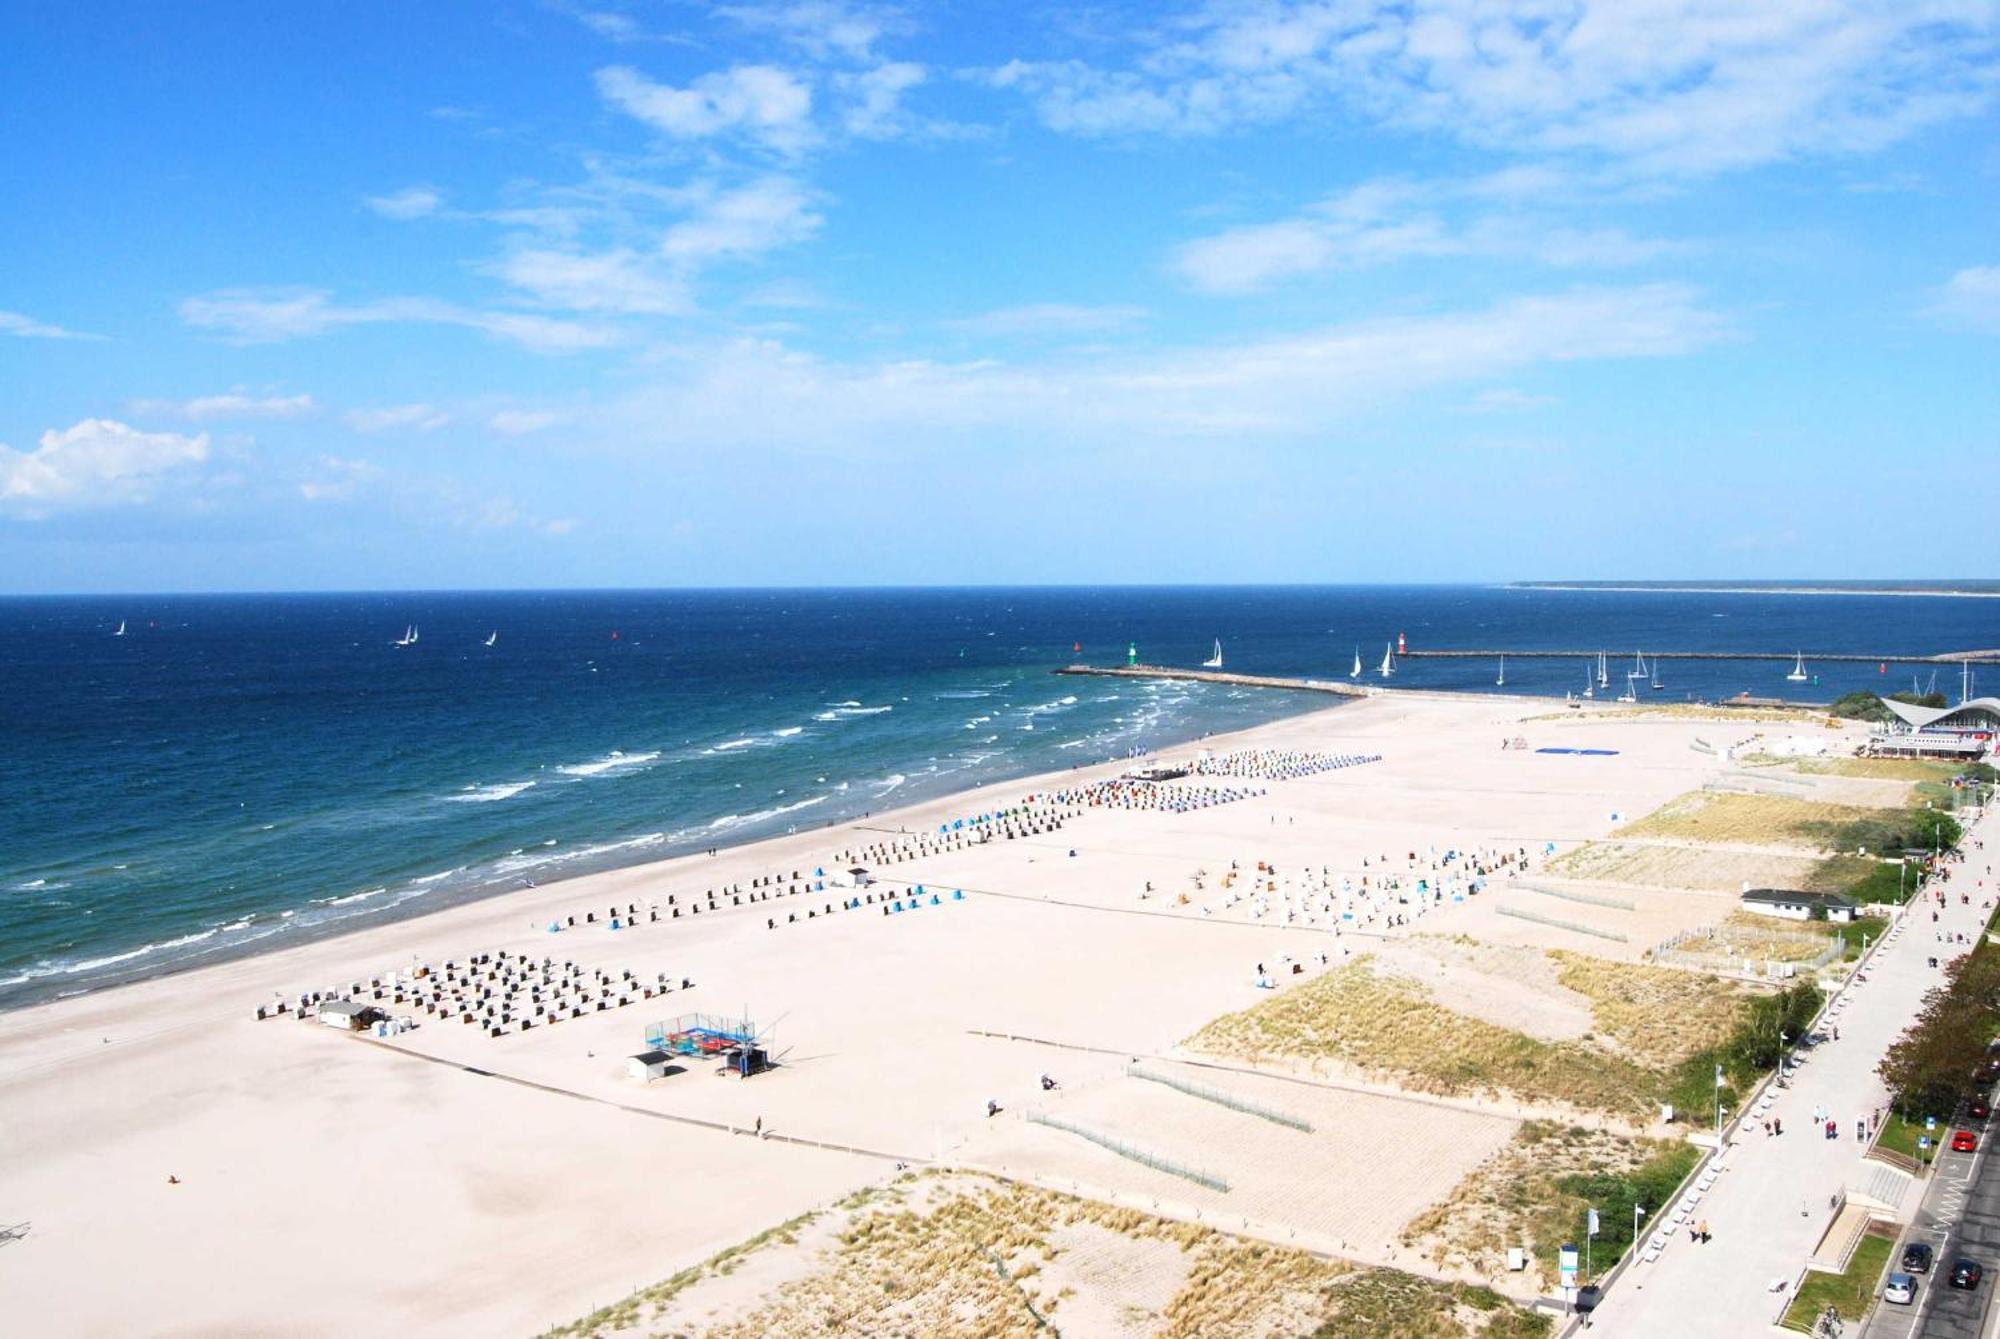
point(855, 876)
point(649, 1065)
point(347, 1015)
point(1786, 904)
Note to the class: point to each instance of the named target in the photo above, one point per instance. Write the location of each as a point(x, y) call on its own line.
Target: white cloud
point(1970, 300)
point(521, 422)
point(821, 28)
point(738, 223)
point(24, 327)
point(761, 393)
point(763, 102)
point(1668, 85)
point(97, 462)
point(1508, 400)
point(337, 480)
point(1050, 318)
point(418, 417)
point(264, 316)
point(608, 281)
point(233, 405)
point(1392, 219)
point(875, 99)
point(412, 202)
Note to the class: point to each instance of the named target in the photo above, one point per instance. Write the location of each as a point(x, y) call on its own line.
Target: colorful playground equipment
point(734, 1040)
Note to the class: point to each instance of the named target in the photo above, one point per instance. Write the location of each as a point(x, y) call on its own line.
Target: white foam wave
point(610, 762)
point(502, 790)
point(789, 731)
point(730, 746)
point(891, 784)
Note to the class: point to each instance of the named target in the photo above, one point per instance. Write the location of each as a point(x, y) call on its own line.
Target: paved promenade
point(1767, 1211)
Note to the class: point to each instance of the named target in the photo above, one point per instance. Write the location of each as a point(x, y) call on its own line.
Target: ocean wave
point(789, 731)
point(891, 784)
point(859, 710)
point(959, 697)
point(730, 746)
point(763, 815)
point(500, 790)
point(849, 703)
point(1073, 744)
point(610, 762)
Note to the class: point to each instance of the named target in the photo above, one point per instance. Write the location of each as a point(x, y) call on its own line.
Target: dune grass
point(957, 1253)
point(1680, 867)
point(1775, 820)
point(1535, 1192)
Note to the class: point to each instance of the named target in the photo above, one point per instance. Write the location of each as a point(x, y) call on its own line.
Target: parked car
point(1917, 1258)
point(1900, 1289)
point(1966, 1274)
point(1977, 1109)
point(1964, 1141)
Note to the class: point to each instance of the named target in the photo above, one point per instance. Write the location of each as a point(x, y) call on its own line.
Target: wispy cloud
point(412, 202)
point(521, 422)
point(763, 103)
point(1683, 86)
point(821, 28)
point(1050, 318)
point(609, 281)
point(25, 327)
point(271, 315)
point(1395, 219)
point(336, 479)
point(1970, 300)
point(236, 404)
point(94, 463)
point(735, 223)
point(416, 417)
point(1508, 400)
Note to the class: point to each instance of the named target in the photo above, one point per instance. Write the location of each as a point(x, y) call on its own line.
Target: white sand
point(330, 1185)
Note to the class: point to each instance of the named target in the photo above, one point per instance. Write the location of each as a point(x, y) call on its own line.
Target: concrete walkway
point(1767, 1211)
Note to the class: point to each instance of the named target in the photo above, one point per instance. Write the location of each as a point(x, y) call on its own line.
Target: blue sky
point(648, 293)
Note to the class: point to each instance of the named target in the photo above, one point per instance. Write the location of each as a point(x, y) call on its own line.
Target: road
point(1960, 1216)
point(1769, 1208)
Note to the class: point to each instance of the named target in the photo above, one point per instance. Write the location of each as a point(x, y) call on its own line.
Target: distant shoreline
point(1695, 589)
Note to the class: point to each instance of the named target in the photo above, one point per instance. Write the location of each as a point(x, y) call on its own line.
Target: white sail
point(121, 629)
point(492, 637)
point(1603, 675)
point(1214, 661)
point(1388, 660)
point(1501, 682)
point(1355, 673)
point(1798, 674)
point(1589, 688)
point(1657, 685)
point(1630, 694)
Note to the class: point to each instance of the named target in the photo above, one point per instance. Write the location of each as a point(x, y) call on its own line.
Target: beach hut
point(347, 1015)
point(648, 1065)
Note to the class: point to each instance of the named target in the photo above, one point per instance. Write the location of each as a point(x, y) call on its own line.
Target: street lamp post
point(1638, 1212)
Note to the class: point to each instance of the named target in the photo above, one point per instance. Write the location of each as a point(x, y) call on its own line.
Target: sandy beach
point(451, 1182)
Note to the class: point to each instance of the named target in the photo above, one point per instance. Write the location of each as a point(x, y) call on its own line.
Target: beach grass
point(1535, 1192)
point(1648, 1020)
point(1850, 1293)
point(967, 1254)
point(1679, 867)
point(1722, 816)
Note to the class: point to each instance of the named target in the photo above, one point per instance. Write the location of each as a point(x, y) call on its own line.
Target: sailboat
point(1501, 682)
point(1631, 694)
point(1214, 661)
point(1388, 660)
point(1798, 674)
point(1603, 674)
point(1657, 685)
point(1639, 663)
point(1589, 688)
point(1355, 673)
point(409, 637)
point(121, 629)
point(493, 636)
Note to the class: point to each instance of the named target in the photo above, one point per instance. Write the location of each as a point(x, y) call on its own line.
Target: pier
point(1948, 658)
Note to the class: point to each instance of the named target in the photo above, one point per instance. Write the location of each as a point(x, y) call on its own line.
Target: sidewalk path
point(1769, 1209)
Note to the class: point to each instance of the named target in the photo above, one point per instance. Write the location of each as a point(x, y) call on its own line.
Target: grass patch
point(1680, 867)
point(1852, 1294)
point(958, 1253)
point(1863, 879)
point(1650, 1023)
point(1536, 1191)
point(1900, 1134)
point(1718, 816)
point(624, 1314)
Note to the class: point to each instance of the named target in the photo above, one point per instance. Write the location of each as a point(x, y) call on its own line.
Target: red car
point(1977, 1109)
point(1964, 1141)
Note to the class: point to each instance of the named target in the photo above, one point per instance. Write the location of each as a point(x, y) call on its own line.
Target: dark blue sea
point(238, 772)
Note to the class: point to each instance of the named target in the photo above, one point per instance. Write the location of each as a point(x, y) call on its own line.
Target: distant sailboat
point(409, 637)
point(1631, 694)
point(1657, 685)
point(1603, 674)
point(1798, 674)
point(1501, 682)
point(1589, 688)
point(1388, 660)
point(1639, 663)
point(1214, 661)
point(493, 636)
point(121, 629)
point(1355, 673)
